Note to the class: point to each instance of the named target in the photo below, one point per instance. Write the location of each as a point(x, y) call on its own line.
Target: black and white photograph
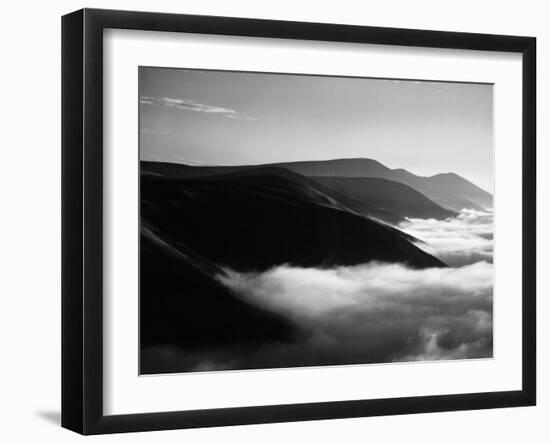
point(305, 220)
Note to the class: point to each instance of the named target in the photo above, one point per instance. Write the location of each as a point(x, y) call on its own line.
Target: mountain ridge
point(447, 189)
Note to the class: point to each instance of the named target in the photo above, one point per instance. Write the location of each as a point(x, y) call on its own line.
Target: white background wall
point(30, 219)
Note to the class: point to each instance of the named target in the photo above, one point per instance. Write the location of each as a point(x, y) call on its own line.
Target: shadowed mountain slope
point(318, 193)
point(257, 219)
point(369, 195)
point(183, 304)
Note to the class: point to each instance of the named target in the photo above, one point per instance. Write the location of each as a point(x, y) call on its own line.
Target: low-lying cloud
point(374, 312)
point(371, 313)
point(465, 239)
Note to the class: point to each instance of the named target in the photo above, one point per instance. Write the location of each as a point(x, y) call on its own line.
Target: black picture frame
point(82, 219)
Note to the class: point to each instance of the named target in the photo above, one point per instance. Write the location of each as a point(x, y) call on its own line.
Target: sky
point(202, 117)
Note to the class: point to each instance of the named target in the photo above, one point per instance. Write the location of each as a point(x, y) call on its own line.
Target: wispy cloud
point(152, 131)
point(174, 158)
point(240, 117)
point(194, 106)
